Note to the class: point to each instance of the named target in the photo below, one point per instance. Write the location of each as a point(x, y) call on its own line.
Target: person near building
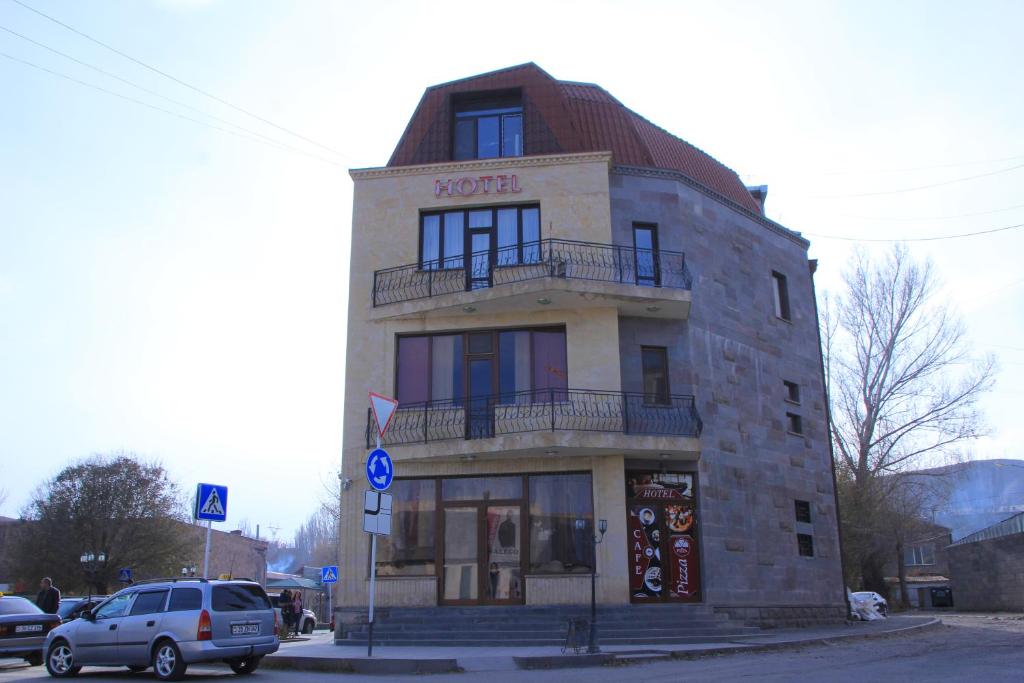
point(285, 601)
point(297, 610)
point(48, 599)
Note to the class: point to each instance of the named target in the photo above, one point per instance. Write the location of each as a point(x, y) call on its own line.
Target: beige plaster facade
point(573, 191)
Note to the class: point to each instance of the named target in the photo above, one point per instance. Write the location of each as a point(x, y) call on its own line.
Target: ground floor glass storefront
point(482, 536)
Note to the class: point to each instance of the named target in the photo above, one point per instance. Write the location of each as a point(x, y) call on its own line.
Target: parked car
point(169, 624)
point(308, 622)
point(71, 607)
point(23, 628)
point(874, 599)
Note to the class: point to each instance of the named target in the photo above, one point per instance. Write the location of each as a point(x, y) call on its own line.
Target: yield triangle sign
point(383, 410)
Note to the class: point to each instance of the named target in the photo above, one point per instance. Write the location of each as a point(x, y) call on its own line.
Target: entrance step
point(538, 626)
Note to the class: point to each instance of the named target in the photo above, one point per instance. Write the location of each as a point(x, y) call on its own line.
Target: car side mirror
point(88, 615)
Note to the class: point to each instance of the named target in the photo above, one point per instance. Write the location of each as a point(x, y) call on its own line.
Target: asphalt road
point(988, 648)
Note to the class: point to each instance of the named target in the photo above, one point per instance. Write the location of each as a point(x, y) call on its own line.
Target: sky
point(173, 265)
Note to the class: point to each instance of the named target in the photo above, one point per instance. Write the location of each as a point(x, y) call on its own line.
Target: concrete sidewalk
point(319, 653)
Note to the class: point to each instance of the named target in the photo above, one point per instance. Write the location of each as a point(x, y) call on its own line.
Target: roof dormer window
point(487, 128)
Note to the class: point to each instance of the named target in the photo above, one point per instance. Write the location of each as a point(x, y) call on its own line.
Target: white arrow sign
point(383, 410)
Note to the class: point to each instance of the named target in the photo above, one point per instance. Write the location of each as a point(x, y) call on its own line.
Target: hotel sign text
point(485, 184)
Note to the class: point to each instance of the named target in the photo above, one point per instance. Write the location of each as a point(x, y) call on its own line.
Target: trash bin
point(942, 597)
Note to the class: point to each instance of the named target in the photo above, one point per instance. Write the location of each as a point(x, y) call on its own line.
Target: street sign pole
point(383, 410)
point(206, 553)
point(373, 581)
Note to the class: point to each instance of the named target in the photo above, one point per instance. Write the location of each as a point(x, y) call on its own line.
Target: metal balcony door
point(481, 257)
point(480, 403)
point(647, 261)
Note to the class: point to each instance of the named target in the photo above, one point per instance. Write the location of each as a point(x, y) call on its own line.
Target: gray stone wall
point(733, 354)
point(988, 575)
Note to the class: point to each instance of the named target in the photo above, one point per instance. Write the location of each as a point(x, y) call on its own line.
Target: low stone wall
point(784, 616)
point(988, 575)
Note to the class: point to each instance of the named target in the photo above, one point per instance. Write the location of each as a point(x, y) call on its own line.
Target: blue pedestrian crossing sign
point(124, 575)
point(329, 574)
point(211, 502)
point(379, 469)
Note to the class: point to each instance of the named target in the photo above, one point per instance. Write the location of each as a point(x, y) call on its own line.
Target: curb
point(796, 644)
point(561, 662)
point(361, 665)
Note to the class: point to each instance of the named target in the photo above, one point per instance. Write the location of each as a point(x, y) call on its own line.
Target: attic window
point(488, 127)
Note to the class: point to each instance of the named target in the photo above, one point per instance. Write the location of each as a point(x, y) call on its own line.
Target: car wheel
point(60, 662)
point(167, 662)
point(244, 667)
point(883, 610)
point(307, 627)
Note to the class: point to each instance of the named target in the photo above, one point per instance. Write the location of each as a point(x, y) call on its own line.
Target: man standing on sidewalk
point(48, 599)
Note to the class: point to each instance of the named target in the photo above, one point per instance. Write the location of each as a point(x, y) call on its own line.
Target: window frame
point(501, 105)
point(805, 542)
point(780, 297)
point(495, 354)
point(794, 424)
point(655, 280)
point(792, 392)
point(917, 554)
point(494, 258)
point(802, 511)
point(666, 399)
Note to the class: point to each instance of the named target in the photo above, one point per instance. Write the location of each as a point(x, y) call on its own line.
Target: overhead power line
point(923, 168)
point(179, 81)
point(916, 239)
point(933, 218)
point(150, 92)
point(920, 187)
point(273, 144)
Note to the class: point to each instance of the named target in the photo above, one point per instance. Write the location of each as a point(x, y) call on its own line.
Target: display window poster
point(645, 576)
point(659, 485)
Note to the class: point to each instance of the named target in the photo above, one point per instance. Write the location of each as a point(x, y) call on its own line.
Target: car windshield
point(67, 606)
point(14, 605)
point(237, 597)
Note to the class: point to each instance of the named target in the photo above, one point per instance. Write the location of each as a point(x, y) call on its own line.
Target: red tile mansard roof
point(566, 117)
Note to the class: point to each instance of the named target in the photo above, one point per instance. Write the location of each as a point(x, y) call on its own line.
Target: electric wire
point(922, 168)
point(148, 91)
point(919, 187)
point(932, 218)
point(168, 111)
point(179, 81)
point(915, 239)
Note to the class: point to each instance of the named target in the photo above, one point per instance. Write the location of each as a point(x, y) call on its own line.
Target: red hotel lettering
point(466, 186)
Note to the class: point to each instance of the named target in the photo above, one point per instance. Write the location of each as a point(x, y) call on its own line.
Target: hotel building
point(583, 318)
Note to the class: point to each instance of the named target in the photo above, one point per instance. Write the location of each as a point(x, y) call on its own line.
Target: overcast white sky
point(179, 291)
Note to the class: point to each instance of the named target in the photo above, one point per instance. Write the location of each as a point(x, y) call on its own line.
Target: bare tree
point(127, 509)
point(902, 390)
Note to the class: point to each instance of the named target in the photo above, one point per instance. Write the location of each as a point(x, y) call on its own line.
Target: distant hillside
point(984, 492)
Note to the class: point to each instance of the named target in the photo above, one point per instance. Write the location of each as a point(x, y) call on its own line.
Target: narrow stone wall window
point(780, 291)
point(792, 392)
point(805, 545)
point(654, 360)
point(794, 425)
point(803, 511)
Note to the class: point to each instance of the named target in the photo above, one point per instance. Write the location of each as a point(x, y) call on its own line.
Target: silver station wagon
point(169, 624)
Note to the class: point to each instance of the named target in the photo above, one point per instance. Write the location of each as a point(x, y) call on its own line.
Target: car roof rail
point(173, 579)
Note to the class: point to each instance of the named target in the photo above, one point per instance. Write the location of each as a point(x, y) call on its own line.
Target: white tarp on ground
point(863, 607)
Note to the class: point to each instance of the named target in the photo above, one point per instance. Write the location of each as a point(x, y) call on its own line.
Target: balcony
point(544, 422)
point(639, 282)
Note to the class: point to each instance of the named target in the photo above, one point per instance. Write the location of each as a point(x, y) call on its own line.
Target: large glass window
point(503, 235)
point(488, 129)
point(529, 362)
point(556, 545)
point(482, 488)
point(410, 549)
point(655, 368)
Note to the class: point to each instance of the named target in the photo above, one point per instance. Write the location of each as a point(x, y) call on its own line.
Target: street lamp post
point(92, 563)
point(602, 526)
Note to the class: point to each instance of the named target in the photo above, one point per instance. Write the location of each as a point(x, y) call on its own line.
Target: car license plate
point(245, 629)
point(28, 628)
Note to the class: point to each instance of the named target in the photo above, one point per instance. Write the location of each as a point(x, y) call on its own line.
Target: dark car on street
point(72, 608)
point(23, 629)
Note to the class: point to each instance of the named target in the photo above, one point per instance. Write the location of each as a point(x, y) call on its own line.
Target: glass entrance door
point(483, 554)
point(461, 580)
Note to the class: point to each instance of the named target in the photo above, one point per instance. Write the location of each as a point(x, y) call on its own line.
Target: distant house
point(926, 566)
point(987, 568)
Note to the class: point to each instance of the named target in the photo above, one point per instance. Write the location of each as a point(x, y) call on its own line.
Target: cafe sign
point(468, 186)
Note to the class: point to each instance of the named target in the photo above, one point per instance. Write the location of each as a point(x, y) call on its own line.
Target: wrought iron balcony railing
point(566, 259)
point(483, 417)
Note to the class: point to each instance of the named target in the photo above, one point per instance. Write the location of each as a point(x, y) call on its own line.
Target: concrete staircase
point(539, 626)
